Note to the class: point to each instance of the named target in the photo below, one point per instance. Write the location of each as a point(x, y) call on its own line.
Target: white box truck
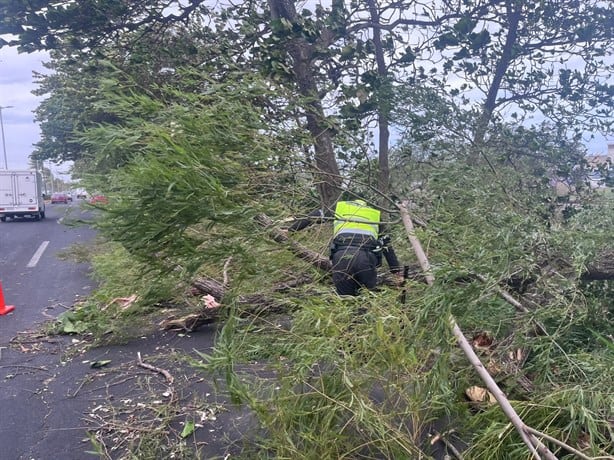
point(21, 194)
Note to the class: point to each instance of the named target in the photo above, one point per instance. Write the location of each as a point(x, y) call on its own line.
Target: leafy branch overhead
point(525, 58)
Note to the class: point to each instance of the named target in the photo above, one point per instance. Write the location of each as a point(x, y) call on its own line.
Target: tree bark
point(251, 304)
point(327, 177)
point(383, 102)
point(513, 10)
point(313, 257)
point(602, 268)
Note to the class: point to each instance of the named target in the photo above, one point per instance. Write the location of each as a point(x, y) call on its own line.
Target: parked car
point(59, 198)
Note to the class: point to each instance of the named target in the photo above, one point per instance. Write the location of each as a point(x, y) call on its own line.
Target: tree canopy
point(511, 59)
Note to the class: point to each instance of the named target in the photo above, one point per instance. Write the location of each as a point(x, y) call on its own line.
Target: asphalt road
point(34, 279)
point(53, 403)
point(39, 285)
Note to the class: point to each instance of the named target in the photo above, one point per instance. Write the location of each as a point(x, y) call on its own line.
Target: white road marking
point(37, 255)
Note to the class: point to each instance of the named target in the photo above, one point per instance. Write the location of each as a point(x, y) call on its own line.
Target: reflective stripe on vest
point(355, 217)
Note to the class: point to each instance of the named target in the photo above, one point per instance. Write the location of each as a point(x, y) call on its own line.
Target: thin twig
point(448, 444)
point(512, 301)
point(225, 273)
point(19, 341)
point(26, 367)
point(566, 446)
point(164, 372)
point(74, 394)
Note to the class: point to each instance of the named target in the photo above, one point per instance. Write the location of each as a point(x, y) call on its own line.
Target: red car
point(59, 198)
point(99, 199)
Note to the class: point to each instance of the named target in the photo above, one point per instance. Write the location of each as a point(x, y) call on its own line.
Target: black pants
point(353, 267)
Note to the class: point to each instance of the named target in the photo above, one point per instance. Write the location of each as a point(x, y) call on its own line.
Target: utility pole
point(6, 164)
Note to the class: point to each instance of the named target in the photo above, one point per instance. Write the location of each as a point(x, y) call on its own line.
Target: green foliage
point(119, 275)
point(127, 300)
point(519, 46)
point(572, 413)
point(336, 356)
point(593, 219)
point(189, 167)
point(189, 146)
point(360, 377)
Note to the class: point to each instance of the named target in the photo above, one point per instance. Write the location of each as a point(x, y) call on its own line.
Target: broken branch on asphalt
point(159, 370)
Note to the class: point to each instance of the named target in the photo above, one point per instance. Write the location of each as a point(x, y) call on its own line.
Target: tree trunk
point(602, 268)
point(327, 177)
point(513, 18)
point(250, 304)
point(383, 103)
point(315, 258)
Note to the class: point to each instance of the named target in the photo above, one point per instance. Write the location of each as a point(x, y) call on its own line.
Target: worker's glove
point(385, 240)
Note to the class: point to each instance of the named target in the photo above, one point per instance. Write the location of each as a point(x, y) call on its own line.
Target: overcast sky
point(16, 84)
point(20, 130)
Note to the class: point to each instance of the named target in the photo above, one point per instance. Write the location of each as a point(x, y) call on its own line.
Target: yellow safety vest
point(356, 217)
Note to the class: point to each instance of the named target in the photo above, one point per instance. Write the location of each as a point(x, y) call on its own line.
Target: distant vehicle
point(81, 195)
point(59, 197)
point(21, 194)
point(98, 199)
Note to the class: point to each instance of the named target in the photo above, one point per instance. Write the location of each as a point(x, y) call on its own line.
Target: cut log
point(251, 304)
point(281, 236)
point(602, 268)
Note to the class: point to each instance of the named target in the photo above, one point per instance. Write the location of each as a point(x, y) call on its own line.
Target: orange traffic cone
point(4, 309)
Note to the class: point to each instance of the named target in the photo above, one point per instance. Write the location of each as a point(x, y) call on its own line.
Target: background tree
point(511, 52)
point(533, 61)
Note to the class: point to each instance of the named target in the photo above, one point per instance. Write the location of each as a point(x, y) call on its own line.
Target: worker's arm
point(393, 261)
point(390, 255)
point(311, 218)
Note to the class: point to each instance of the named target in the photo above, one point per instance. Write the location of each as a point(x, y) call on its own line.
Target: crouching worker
point(357, 250)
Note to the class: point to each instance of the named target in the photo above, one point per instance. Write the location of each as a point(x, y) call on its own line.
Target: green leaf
point(68, 327)
point(188, 429)
point(465, 25)
point(100, 363)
